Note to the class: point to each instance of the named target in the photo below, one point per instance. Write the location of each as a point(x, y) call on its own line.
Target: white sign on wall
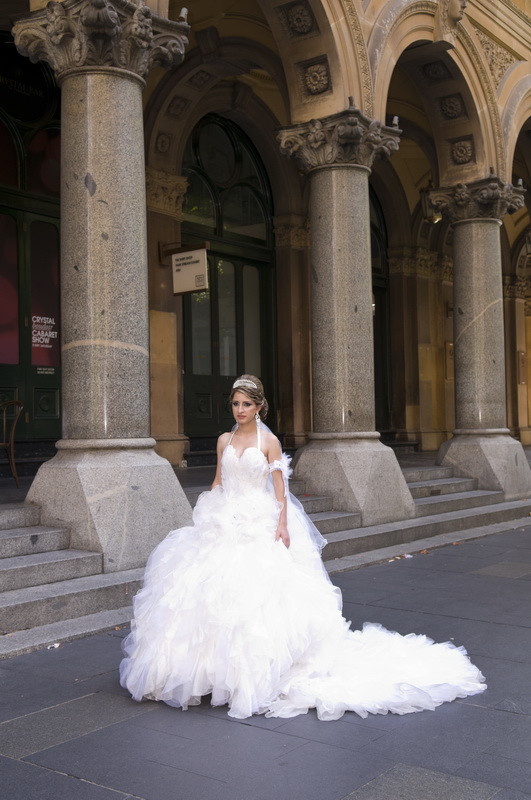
point(190, 271)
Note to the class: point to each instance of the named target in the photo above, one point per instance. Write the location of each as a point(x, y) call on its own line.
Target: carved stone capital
point(291, 231)
point(345, 138)
point(489, 198)
point(165, 192)
point(514, 287)
point(100, 33)
point(447, 269)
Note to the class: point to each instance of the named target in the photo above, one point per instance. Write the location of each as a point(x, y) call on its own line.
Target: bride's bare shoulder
point(223, 440)
point(272, 444)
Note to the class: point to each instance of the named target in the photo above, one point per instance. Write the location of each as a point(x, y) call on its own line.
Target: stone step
point(21, 572)
point(417, 547)
point(432, 488)
point(425, 506)
point(21, 609)
point(19, 642)
point(414, 474)
point(38, 539)
point(332, 521)
point(390, 534)
point(18, 515)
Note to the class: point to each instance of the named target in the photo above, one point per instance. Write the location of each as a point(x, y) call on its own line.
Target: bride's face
point(243, 408)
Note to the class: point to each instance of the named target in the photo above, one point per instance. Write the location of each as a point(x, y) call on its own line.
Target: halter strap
point(258, 426)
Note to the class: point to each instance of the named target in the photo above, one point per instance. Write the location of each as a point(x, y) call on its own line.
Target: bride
point(239, 606)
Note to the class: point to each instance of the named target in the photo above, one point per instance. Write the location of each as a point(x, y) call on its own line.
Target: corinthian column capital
point(345, 138)
point(100, 33)
point(489, 198)
point(165, 192)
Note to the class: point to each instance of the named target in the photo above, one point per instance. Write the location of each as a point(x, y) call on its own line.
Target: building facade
point(357, 169)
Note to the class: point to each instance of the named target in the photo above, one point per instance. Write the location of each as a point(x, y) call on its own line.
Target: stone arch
point(235, 100)
point(458, 88)
point(516, 118)
point(331, 67)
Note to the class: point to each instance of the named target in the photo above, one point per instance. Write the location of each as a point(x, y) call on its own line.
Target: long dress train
point(227, 610)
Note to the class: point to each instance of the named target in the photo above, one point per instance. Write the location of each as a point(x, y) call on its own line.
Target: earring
point(257, 418)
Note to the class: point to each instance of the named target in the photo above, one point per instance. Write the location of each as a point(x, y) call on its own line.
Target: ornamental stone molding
point(165, 192)
point(291, 232)
point(449, 15)
point(422, 263)
point(100, 33)
point(297, 20)
point(462, 151)
point(402, 265)
point(489, 198)
point(514, 287)
point(528, 307)
point(344, 138)
point(499, 59)
point(447, 269)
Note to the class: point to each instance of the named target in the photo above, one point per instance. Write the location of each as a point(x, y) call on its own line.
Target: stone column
point(106, 482)
point(344, 457)
point(514, 292)
point(481, 446)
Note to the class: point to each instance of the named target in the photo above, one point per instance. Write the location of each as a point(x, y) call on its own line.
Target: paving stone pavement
point(69, 732)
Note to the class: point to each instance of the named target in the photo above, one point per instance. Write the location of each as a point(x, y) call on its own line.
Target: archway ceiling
point(441, 103)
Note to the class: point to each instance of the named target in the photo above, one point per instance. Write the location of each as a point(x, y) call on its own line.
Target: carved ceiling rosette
point(345, 138)
point(104, 33)
point(489, 198)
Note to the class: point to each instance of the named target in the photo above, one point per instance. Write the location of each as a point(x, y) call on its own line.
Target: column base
point(173, 448)
point(496, 459)
point(359, 473)
point(117, 497)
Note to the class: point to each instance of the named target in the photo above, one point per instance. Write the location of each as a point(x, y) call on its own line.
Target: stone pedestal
point(359, 472)
point(481, 446)
point(117, 497)
point(106, 482)
point(344, 454)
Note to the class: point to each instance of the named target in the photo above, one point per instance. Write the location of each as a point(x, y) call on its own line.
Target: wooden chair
point(9, 423)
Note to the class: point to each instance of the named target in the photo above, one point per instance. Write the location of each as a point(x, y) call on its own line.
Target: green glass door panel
point(233, 313)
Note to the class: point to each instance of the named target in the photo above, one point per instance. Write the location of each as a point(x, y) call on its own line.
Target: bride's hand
point(282, 534)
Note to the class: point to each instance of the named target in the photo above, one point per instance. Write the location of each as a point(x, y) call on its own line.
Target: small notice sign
point(190, 271)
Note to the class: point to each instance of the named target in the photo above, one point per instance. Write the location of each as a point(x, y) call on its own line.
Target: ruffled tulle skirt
point(227, 611)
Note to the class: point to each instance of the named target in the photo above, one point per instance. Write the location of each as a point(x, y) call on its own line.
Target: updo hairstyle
point(256, 395)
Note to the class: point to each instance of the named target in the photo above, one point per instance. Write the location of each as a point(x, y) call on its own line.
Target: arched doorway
point(228, 329)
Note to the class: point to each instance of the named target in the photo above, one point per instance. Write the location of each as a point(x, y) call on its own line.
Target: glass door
point(30, 356)
point(223, 339)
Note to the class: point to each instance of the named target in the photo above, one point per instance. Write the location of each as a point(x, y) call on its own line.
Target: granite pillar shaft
point(106, 484)
point(344, 457)
point(481, 447)
point(342, 325)
point(105, 320)
point(479, 356)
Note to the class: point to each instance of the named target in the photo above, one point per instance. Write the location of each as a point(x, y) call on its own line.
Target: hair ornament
point(244, 382)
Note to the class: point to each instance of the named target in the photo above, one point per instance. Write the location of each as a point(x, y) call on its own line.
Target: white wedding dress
point(226, 610)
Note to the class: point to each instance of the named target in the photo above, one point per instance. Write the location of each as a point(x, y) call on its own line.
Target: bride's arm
point(222, 443)
point(274, 453)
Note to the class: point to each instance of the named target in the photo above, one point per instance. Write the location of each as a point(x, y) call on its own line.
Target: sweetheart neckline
point(244, 451)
